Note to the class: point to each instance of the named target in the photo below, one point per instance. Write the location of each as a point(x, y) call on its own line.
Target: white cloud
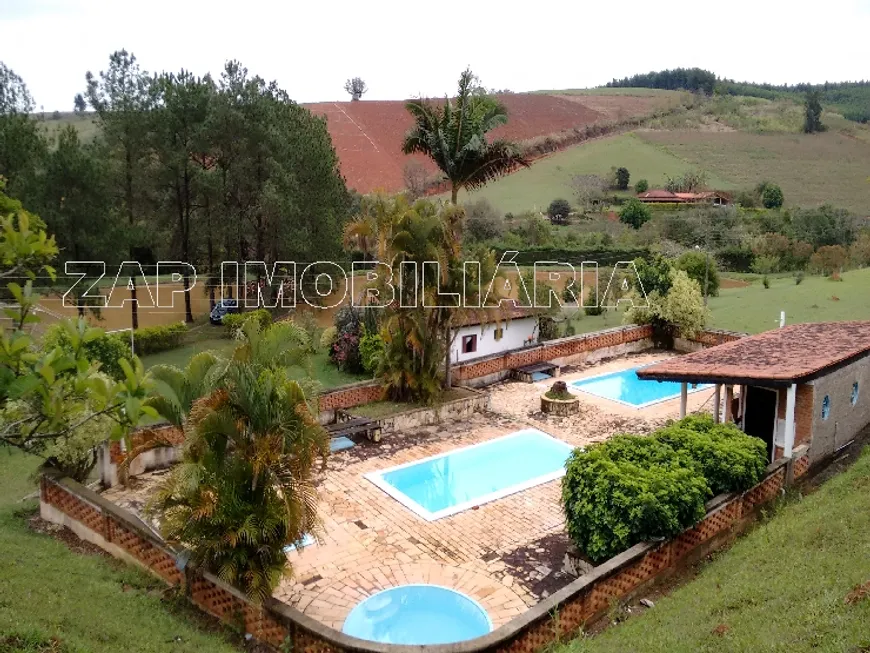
point(405, 49)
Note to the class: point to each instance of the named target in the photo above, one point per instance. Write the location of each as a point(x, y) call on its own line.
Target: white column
point(789, 420)
point(684, 398)
point(717, 403)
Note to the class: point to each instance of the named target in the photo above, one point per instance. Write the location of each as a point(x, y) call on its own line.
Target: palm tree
point(453, 135)
point(245, 487)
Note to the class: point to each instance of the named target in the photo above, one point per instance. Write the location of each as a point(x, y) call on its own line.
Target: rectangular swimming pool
point(451, 482)
point(626, 388)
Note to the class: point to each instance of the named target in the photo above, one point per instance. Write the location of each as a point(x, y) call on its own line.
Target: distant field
point(812, 169)
point(549, 178)
point(85, 124)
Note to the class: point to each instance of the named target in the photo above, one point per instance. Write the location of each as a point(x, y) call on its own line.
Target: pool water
point(626, 388)
point(417, 614)
point(463, 478)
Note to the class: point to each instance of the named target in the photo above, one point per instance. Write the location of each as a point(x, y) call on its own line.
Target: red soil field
point(368, 135)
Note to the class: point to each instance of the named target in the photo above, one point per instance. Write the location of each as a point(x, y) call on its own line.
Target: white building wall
point(515, 335)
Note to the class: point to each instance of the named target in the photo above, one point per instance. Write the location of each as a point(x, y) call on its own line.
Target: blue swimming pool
point(626, 388)
point(460, 479)
point(417, 614)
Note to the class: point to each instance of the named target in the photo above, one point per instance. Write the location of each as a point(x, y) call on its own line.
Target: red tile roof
point(509, 310)
point(796, 353)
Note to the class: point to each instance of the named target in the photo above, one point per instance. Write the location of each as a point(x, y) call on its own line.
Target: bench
point(355, 426)
point(537, 372)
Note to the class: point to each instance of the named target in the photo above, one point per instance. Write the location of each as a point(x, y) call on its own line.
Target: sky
point(407, 48)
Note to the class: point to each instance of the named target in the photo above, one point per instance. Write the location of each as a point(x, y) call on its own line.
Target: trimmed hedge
point(604, 257)
point(632, 489)
point(730, 460)
point(151, 340)
point(234, 321)
point(617, 496)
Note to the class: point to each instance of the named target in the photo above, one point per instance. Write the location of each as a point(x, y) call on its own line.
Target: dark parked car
point(222, 308)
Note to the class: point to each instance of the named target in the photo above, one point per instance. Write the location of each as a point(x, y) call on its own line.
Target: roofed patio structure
point(801, 384)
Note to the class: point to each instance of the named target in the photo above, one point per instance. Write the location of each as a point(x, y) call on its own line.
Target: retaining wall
point(560, 615)
point(461, 408)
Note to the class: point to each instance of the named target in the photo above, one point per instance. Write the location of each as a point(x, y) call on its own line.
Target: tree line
point(184, 167)
point(852, 99)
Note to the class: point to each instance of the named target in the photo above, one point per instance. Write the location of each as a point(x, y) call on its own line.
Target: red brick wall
point(351, 395)
point(549, 350)
point(171, 434)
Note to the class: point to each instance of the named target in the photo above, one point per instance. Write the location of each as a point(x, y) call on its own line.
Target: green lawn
point(550, 178)
point(91, 603)
point(780, 588)
point(754, 308)
point(324, 372)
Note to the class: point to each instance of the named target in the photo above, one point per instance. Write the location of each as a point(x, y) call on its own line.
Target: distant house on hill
point(662, 196)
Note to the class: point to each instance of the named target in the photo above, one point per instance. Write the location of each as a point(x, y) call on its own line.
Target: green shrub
point(234, 321)
point(105, 349)
point(698, 265)
point(634, 213)
point(622, 178)
point(628, 490)
point(558, 211)
point(641, 186)
point(371, 350)
point(772, 196)
point(151, 340)
point(736, 258)
point(765, 281)
point(729, 459)
point(328, 337)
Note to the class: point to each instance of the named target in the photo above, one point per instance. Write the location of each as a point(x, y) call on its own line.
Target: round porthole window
point(855, 393)
point(826, 407)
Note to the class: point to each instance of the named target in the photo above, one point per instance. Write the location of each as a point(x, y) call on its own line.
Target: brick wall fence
point(560, 615)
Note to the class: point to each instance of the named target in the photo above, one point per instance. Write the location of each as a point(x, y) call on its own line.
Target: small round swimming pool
point(417, 614)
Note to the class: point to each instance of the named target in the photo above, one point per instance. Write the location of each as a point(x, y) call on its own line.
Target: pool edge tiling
point(377, 478)
point(576, 386)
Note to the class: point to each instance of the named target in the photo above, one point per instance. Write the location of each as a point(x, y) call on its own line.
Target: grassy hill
point(812, 169)
point(738, 141)
point(85, 124)
point(549, 178)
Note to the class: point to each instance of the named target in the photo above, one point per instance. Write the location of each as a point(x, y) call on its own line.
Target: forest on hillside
point(851, 99)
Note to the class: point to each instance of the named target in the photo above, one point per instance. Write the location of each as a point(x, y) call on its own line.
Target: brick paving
point(506, 554)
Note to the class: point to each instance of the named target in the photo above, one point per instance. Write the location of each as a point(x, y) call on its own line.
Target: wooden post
point(729, 400)
point(684, 398)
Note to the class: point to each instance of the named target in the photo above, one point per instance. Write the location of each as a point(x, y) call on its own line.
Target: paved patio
point(506, 554)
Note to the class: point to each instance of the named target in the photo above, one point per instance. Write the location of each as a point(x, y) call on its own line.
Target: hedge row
point(233, 322)
point(151, 340)
point(632, 489)
point(604, 257)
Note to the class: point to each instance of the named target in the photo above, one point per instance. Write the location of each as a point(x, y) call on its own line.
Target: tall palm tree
point(453, 135)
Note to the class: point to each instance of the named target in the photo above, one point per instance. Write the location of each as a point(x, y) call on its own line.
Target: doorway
point(760, 416)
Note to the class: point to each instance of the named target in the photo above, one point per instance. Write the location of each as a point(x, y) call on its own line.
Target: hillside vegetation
point(535, 187)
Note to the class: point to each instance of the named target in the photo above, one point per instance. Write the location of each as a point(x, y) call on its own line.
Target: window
point(469, 344)
point(499, 334)
point(855, 393)
point(826, 407)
